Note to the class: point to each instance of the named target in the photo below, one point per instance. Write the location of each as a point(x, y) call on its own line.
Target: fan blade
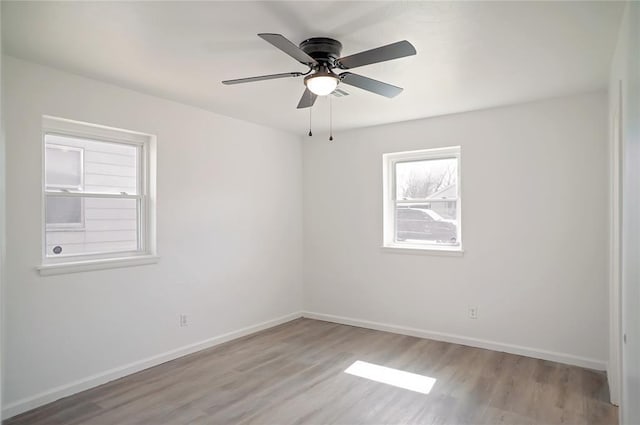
point(288, 47)
point(369, 84)
point(307, 100)
point(262, 78)
point(385, 53)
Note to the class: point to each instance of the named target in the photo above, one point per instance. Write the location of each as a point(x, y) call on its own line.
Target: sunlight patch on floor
point(397, 378)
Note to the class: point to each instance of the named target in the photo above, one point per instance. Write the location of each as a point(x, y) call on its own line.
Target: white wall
point(229, 237)
point(625, 73)
point(2, 221)
point(534, 217)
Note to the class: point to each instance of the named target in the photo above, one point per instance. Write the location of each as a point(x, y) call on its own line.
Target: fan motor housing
point(324, 50)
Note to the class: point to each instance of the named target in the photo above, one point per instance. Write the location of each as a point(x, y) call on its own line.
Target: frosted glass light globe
point(321, 85)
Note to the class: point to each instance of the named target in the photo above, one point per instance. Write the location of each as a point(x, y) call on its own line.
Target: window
point(98, 194)
point(64, 173)
point(422, 199)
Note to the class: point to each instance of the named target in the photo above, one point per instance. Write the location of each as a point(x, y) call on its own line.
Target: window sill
point(90, 265)
point(449, 251)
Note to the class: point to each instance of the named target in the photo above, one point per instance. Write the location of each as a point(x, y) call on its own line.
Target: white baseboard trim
point(463, 340)
point(83, 384)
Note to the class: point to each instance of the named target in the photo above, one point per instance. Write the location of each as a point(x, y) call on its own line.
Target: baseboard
point(463, 340)
point(65, 390)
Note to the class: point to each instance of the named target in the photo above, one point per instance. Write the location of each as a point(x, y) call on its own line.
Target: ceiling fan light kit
point(322, 56)
point(322, 82)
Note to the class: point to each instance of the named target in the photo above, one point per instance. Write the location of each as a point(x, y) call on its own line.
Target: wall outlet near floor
point(183, 320)
point(473, 312)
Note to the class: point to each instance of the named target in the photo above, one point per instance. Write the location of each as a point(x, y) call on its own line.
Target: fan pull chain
point(310, 133)
point(330, 120)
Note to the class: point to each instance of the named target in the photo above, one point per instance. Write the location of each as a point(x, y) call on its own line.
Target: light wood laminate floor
point(294, 374)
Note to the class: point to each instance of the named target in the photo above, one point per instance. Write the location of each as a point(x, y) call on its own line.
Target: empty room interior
point(320, 212)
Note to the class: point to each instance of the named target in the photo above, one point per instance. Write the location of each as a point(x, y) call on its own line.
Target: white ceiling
point(471, 55)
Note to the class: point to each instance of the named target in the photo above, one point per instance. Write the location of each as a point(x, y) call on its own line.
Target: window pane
point(422, 223)
point(427, 179)
point(107, 167)
point(64, 167)
point(110, 225)
point(63, 211)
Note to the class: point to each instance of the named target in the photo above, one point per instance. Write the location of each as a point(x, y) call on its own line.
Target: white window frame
point(64, 188)
point(389, 161)
point(146, 191)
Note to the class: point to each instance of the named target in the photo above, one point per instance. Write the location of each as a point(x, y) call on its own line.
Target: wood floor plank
point(294, 374)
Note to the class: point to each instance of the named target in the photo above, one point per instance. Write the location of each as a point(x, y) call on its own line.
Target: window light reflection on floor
point(397, 378)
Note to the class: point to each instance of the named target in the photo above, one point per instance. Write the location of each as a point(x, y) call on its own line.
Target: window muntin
point(422, 202)
point(96, 203)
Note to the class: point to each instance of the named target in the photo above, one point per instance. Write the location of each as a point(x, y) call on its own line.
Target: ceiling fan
point(322, 56)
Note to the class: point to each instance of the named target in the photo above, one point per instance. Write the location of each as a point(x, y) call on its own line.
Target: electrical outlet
point(183, 320)
point(473, 312)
